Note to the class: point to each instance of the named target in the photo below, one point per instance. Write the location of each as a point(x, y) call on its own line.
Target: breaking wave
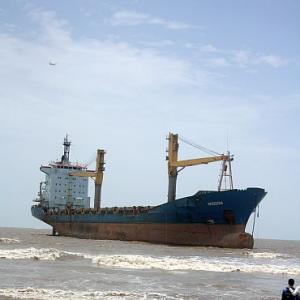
point(249, 264)
point(40, 254)
point(9, 241)
point(266, 255)
point(197, 263)
point(48, 294)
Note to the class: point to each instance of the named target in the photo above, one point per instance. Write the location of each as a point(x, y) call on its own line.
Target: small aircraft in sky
point(52, 63)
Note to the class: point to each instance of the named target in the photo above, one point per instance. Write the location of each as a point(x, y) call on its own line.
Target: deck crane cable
point(91, 160)
point(209, 151)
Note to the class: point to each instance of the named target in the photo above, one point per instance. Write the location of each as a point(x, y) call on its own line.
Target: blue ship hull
point(205, 219)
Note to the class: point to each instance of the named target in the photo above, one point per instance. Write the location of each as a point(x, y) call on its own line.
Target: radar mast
point(65, 157)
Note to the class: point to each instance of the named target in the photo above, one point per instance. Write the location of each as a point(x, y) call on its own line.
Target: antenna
point(67, 144)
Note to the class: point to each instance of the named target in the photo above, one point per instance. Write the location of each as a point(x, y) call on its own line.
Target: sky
point(224, 74)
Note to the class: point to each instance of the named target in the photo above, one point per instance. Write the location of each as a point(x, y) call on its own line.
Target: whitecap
point(196, 263)
point(9, 241)
point(39, 254)
point(167, 263)
point(49, 294)
point(270, 255)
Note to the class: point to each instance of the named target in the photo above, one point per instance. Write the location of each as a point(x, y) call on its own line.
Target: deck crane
point(174, 164)
point(97, 175)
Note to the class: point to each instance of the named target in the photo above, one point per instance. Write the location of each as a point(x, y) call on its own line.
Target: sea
point(36, 265)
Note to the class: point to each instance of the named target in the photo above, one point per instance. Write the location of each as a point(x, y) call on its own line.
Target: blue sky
point(127, 73)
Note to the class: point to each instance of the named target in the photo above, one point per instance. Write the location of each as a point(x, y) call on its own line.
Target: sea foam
point(9, 241)
point(39, 254)
point(49, 294)
point(220, 264)
point(271, 255)
point(250, 264)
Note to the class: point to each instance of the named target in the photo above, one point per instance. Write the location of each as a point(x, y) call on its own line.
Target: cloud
point(242, 58)
point(247, 59)
point(109, 75)
point(212, 56)
point(131, 18)
point(50, 29)
point(103, 75)
point(209, 48)
point(218, 62)
point(273, 60)
point(100, 66)
point(158, 44)
point(8, 27)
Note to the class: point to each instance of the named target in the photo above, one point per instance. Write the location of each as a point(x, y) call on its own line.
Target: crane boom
point(198, 161)
point(174, 163)
point(97, 175)
point(84, 174)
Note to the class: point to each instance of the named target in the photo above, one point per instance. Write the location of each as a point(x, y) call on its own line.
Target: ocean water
point(36, 265)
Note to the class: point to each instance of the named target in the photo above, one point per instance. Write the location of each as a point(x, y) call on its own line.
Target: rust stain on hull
point(225, 236)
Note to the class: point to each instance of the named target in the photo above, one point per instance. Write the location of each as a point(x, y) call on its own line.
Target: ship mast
point(226, 172)
point(174, 164)
point(99, 177)
point(172, 170)
point(67, 144)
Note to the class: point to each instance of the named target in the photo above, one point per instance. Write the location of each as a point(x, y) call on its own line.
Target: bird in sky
point(52, 63)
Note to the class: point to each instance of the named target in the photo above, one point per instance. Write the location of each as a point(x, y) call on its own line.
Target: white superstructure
point(59, 188)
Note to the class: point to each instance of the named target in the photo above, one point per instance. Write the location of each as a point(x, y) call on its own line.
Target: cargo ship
point(207, 218)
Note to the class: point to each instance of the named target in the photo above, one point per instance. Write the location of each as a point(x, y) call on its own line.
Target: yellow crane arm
point(198, 161)
point(98, 173)
point(84, 174)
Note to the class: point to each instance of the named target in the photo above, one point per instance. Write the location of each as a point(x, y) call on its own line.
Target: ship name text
point(215, 203)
